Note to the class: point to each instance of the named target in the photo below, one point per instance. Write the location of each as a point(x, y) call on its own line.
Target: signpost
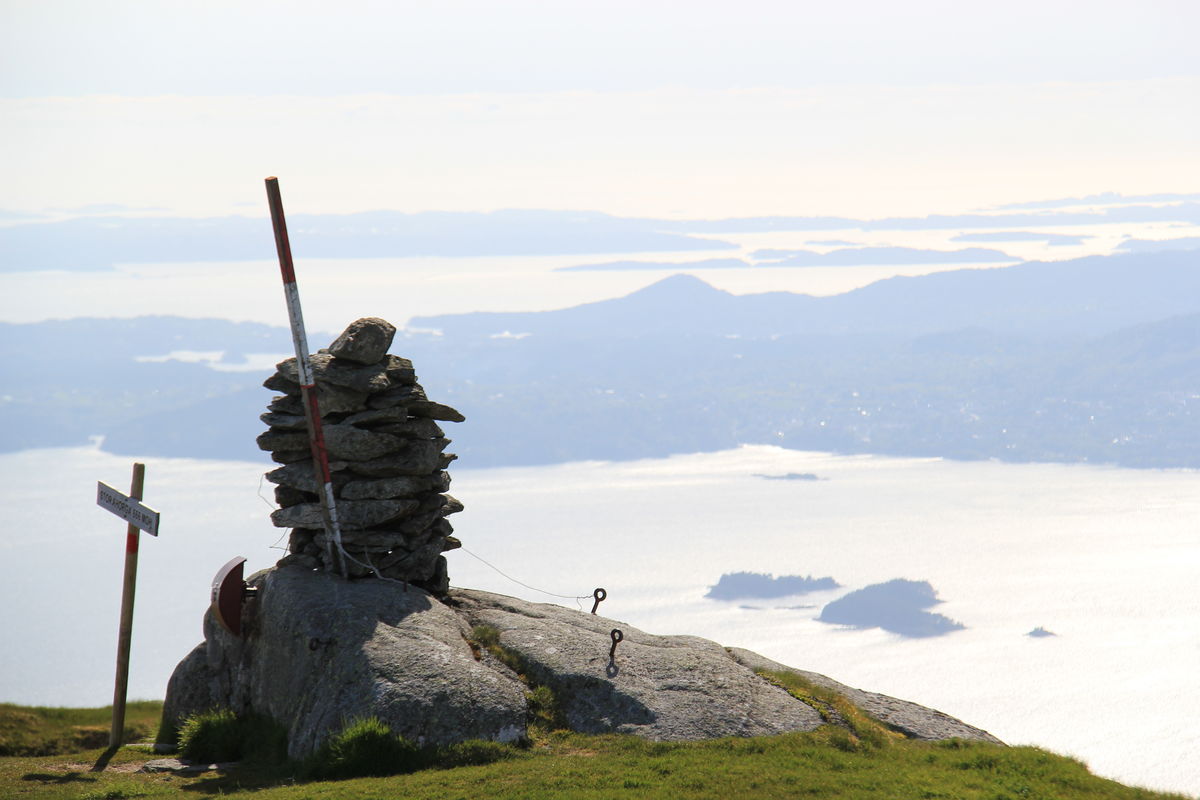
point(139, 517)
point(128, 508)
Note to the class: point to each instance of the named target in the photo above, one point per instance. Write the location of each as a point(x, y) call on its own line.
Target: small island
point(790, 476)
point(897, 606)
point(742, 585)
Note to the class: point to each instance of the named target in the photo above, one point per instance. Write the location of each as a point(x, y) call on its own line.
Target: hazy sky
point(681, 109)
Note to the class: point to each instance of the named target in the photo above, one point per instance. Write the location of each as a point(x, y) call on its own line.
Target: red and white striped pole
point(308, 389)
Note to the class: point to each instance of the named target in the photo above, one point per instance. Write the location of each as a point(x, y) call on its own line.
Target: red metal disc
point(228, 589)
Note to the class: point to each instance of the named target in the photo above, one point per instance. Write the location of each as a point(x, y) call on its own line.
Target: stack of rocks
point(386, 461)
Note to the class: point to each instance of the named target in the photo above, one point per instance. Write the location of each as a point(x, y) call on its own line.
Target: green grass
point(36, 730)
point(832, 762)
point(603, 767)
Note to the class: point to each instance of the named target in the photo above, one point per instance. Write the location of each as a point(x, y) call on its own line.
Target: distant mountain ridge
point(1078, 298)
point(1094, 360)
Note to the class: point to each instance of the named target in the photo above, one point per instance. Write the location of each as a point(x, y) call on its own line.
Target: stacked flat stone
point(387, 462)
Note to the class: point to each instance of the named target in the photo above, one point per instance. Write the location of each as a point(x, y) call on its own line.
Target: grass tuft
point(474, 753)
point(545, 711)
point(861, 731)
point(211, 736)
point(365, 747)
point(485, 636)
point(221, 735)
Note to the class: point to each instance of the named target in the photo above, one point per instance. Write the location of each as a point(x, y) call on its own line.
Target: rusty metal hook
point(600, 596)
point(616, 636)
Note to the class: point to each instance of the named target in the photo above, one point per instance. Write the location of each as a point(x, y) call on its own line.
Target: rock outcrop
point(318, 650)
point(914, 721)
point(387, 462)
point(660, 687)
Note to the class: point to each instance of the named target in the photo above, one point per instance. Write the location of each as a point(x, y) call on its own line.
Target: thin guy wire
point(522, 583)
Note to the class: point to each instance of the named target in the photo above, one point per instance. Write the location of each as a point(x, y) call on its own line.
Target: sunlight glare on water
point(1105, 558)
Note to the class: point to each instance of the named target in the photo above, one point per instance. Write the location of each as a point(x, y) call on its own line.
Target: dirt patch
point(133, 766)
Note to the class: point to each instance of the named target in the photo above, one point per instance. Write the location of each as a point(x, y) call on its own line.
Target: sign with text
point(128, 509)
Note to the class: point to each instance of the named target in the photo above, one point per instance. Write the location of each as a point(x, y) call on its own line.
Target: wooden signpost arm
point(125, 637)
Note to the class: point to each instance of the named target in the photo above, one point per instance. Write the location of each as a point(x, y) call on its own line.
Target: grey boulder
point(351, 513)
point(398, 396)
point(330, 399)
point(301, 475)
point(419, 457)
point(402, 486)
point(914, 721)
point(364, 341)
point(364, 378)
point(318, 651)
point(437, 411)
point(659, 687)
point(343, 442)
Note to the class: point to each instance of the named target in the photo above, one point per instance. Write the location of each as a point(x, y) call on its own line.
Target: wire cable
point(575, 597)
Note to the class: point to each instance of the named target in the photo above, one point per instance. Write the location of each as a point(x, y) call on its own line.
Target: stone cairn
point(386, 460)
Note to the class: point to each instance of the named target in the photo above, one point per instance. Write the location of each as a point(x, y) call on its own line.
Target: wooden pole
point(125, 636)
point(335, 555)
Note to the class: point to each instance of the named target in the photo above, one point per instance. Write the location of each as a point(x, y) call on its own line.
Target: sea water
point(1104, 558)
